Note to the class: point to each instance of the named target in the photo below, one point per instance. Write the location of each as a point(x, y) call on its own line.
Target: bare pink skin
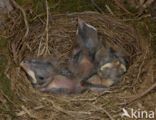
point(63, 85)
point(51, 82)
point(83, 67)
point(96, 84)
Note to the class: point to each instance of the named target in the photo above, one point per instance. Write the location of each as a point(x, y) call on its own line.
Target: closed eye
point(41, 78)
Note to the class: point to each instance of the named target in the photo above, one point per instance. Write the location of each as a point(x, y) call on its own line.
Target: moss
point(3, 42)
point(63, 5)
point(82, 5)
point(75, 6)
point(38, 6)
point(5, 84)
point(23, 2)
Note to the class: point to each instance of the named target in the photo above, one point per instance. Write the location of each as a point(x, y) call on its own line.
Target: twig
point(103, 110)
point(18, 46)
point(136, 97)
point(120, 5)
point(96, 6)
point(45, 48)
point(21, 113)
point(143, 6)
point(59, 108)
point(39, 48)
point(28, 112)
point(3, 36)
point(24, 16)
point(69, 113)
point(141, 66)
point(7, 98)
point(46, 28)
point(74, 14)
point(109, 10)
point(108, 114)
point(141, 94)
point(89, 100)
point(137, 18)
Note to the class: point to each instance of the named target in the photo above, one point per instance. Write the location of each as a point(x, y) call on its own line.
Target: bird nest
point(54, 36)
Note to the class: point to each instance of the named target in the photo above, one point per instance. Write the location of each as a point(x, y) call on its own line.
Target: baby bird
point(82, 60)
point(111, 66)
point(46, 79)
point(87, 37)
point(95, 84)
point(40, 71)
point(85, 71)
point(80, 64)
point(63, 85)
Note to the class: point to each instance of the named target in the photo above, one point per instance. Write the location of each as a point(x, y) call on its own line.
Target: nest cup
point(57, 41)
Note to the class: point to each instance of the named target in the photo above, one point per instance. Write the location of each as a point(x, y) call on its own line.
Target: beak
point(107, 65)
point(21, 64)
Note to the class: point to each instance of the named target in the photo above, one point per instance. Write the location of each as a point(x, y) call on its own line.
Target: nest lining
point(61, 40)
